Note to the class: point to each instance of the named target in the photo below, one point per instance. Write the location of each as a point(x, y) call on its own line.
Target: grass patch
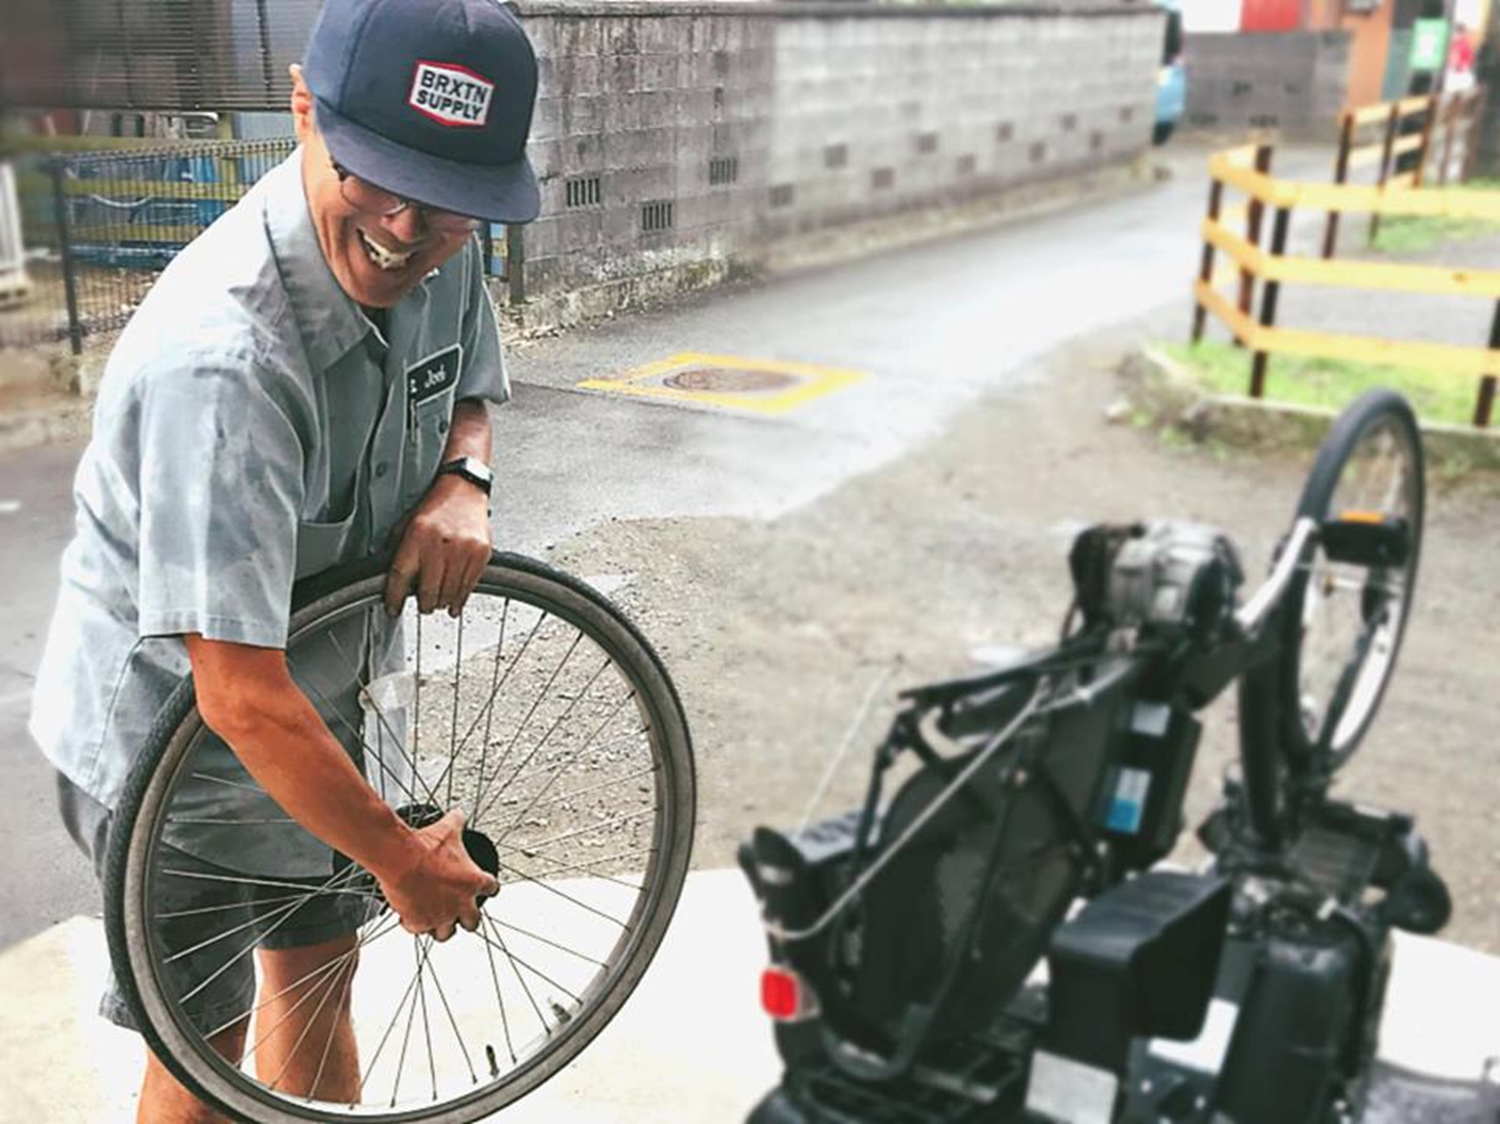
point(1326, 383)
point(1406, 234)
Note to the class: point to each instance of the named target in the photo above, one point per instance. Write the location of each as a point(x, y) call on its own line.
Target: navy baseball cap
point(430, 99)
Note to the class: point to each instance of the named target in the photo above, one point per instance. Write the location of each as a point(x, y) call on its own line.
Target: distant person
point(261, 419)
point(1460, 60)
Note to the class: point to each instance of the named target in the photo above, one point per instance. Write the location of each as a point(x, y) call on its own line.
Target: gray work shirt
point(253, 427)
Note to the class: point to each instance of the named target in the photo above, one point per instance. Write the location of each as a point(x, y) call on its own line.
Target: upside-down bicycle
point(1039, 800)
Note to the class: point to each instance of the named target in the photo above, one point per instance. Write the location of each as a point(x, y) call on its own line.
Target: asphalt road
point(931, 329)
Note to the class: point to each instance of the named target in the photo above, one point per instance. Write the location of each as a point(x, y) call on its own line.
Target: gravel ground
point(776, 631)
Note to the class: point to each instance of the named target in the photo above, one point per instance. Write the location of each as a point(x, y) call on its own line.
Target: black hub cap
point(416, 816)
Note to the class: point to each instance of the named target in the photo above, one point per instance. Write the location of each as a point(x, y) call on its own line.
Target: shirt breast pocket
point(322, 545)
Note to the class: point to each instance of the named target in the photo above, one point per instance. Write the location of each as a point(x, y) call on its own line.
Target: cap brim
point(504, 193)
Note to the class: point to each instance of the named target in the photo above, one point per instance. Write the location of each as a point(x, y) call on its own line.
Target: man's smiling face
point(376, 259)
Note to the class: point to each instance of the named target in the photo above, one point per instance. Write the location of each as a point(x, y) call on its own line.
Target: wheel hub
point(482, 850)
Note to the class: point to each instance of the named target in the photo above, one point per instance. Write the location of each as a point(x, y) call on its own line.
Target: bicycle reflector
point(1366, 538)
point(785, 996)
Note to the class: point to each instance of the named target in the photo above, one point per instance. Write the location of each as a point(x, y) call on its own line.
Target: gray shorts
point(207, 905)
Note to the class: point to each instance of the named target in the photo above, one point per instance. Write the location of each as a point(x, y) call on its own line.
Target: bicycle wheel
point(541, 712)
point(1345, 611)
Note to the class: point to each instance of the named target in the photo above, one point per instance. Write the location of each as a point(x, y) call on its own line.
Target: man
point(308, 380)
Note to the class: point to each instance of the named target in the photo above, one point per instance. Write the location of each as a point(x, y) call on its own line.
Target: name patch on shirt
point(451, 94)
point(432, 376)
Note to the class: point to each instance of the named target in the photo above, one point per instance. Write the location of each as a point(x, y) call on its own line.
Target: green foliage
point(1327, 383)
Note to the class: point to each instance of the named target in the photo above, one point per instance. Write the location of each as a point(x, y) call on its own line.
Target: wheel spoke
point(384, 1038)
point(411, 1017)
point(381, 929)
point(426, 1024)
point(541, 695)
point(249, 947)
point(499, 942)
point(333, 982)
point(541, 975)
point(379, 760)
point(550, 943)
point(564, 895)
point(500, 1002)
point(255, 788)
point(489, 705)
point(587, 863)
point(328, 887)
point(453, 1022)
point(533, 848)
point(312, 1093)
point(588, 743)
point(458, 677)
point(409, 756)
point(416, 713)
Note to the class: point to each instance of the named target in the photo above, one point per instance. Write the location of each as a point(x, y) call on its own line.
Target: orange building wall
point(1370, 40)
point(1370, 43)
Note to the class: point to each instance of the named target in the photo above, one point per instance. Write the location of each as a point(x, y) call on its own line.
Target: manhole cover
point(728, 380)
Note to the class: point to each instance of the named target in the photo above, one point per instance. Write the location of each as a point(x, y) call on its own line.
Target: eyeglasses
point(363, 195)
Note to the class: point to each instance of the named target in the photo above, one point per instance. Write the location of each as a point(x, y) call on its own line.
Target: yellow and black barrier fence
point(1400, 139)
point(1245, 169)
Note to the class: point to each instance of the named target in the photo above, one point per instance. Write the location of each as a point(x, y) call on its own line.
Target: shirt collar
point(331, 324)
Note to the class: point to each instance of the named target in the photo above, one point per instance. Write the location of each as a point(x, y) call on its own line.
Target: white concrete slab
point(691, 1045)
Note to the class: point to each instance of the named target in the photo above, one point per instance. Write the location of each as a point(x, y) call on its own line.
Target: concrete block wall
point(1296, 81)
point(675, 141)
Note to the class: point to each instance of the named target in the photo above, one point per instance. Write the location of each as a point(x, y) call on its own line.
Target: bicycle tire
point(136, 838)
point(1371, 460)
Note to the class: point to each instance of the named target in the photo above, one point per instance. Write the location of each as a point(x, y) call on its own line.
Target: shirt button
point(442, 427)
point(382, 468)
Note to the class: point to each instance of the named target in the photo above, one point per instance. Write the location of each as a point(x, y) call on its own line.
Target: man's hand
point(445, 546)
point(440, 890)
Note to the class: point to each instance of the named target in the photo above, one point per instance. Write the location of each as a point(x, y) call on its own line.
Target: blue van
point(1171, 78)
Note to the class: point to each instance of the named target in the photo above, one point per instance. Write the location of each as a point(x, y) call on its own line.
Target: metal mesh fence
point(99, 226)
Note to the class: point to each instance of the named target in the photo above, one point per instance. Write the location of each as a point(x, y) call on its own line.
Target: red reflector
point(783, 996)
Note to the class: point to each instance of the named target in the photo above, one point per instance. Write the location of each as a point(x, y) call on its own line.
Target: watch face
point(471, 469)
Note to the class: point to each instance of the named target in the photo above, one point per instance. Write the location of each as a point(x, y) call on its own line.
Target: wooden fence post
point(1340, 176)
point(1254, 219)
point(1471, 145)
point(1385, 165)
point(1486, 404)
point(1451, 108)
point(1268, 300)
point(1425, 149)
point(1206, 267)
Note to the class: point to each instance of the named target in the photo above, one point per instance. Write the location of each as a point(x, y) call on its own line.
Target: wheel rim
point(546, 733)
point(1341, 599)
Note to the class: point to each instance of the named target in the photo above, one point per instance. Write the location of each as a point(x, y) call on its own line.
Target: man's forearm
point(470, 433)
point(281, 739)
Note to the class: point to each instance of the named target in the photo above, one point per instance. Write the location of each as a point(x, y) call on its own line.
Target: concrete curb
point(1172, 396)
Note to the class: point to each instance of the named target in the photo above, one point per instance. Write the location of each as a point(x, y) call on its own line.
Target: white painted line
point(9, 507)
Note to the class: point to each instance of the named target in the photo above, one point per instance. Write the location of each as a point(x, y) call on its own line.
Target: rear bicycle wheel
point(544, 715)
point(1345, 612)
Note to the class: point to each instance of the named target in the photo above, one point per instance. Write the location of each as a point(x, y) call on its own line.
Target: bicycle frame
point(1097, 672)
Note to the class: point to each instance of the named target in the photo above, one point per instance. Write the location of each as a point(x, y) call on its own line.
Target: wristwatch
point(472, 469)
